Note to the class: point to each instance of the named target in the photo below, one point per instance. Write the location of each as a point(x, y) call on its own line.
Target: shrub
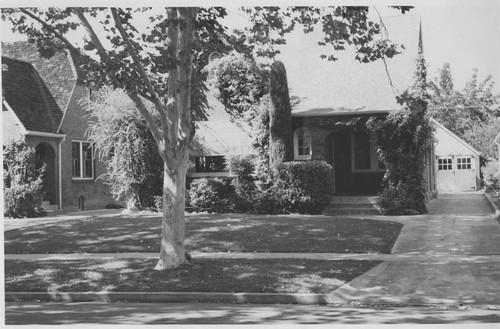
point(242, 168)
point(491, 177)
point(23, 195)
point(265, 202)
point(399, 201)
point(24, 200)
point(212, 194)
point(303, 187)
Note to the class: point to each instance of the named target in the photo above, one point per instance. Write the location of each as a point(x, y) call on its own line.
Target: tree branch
point(53, 30)
point(142, 72)
point(155, 130)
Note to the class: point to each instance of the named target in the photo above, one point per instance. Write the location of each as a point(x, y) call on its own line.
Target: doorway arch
point(45, 155)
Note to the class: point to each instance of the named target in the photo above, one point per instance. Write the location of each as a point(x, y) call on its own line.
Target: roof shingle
point(28, 96)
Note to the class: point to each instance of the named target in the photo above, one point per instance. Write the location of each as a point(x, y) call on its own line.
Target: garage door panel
point(455, 174)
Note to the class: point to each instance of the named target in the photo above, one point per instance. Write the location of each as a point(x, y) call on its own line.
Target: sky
point(465, 34)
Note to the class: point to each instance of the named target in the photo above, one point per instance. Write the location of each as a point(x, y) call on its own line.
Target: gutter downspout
point(60, 172)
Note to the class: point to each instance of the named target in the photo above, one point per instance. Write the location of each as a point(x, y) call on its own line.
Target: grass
point(203, 275)
point(209, 233)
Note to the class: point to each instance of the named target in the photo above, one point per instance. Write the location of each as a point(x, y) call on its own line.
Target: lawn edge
point(171, 297)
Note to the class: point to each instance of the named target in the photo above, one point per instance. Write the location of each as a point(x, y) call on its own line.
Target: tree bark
point(177, 135)
point(280, 120)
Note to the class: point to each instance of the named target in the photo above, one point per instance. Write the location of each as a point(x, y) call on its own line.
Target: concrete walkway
point(450, 256)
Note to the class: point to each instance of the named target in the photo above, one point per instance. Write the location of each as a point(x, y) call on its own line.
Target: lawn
point(203, 275)
point(209, 233)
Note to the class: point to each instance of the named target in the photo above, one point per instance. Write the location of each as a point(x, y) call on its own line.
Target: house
point(40, 103)
point(335, 95)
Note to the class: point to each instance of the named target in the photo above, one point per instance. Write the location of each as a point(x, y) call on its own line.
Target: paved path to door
point(451, 256)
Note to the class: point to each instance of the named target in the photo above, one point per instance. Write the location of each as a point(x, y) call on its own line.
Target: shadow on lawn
point(215, 275)
point(117, 313)
point(210, 233)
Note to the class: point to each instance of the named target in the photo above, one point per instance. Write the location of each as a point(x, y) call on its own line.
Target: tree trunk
point(172, 251)
point(280, 120)
point(178, 131)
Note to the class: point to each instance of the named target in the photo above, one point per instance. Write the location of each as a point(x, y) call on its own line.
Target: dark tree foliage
point(280, 117)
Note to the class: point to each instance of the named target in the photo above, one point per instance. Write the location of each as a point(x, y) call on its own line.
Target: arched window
point(302, 144)
point(213, 56)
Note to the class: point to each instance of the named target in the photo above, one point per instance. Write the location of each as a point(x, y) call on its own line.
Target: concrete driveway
point(454, 258)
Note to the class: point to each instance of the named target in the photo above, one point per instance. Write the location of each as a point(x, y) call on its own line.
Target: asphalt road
point(159, 313)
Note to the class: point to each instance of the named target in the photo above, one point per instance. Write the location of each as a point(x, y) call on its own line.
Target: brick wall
point(325, 135)
point(94, 192)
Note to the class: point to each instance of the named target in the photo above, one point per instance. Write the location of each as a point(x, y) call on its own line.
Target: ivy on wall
point(404, 140)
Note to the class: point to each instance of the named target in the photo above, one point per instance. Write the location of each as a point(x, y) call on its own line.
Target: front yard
point(209, 233)
point(203, 275)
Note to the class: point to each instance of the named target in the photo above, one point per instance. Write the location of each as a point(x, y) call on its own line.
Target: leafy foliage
point(481, 137)
point(240, 83)
point(211, 194)
point(404, 140)
point(134, 168)
point(23, 195)
point(491, 177)
point(303, 186)
point(242, 168)
point(459, 111)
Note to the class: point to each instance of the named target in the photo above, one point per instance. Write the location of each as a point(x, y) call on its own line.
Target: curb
point(227, 298)
point(493, 205)
point(171, 297)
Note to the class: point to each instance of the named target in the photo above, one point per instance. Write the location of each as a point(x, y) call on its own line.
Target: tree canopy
point(457, 110)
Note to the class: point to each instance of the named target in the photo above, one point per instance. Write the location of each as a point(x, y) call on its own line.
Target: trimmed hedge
point(303, 187)
point(212, 194)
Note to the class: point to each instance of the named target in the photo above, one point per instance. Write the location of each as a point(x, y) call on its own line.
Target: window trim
point(374, 159)
point(296, 154)
point(82, 161)
point(450, 163)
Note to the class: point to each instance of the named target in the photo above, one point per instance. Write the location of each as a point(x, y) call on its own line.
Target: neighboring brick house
point(41, 103)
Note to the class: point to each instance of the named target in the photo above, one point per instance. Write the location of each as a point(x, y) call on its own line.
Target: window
point(210, 164)
point(464, 163)
point(364, 153)
point(302, 144)
point(445, 164)
point(82, 159)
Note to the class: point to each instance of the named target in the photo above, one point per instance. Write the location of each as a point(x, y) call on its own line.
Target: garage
point(457, 163)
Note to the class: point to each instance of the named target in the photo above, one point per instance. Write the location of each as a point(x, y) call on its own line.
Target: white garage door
point(455, 174)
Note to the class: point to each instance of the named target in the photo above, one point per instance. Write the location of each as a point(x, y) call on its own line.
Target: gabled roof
point(28, 96)
point(58, 72)
point(346, 85)
point(458, 139)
